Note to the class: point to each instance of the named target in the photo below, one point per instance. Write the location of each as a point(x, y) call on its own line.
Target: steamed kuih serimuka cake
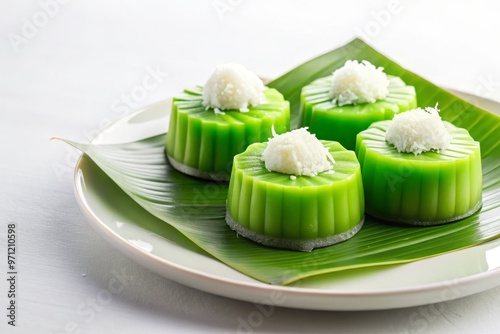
point(209, 125)
point(296, 192)
point(339, 106)
point(420, 170)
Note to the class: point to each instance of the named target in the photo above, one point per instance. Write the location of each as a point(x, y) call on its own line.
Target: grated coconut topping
point(232, 86)
point(297, 152)
point(418, 130)
point(356, 83)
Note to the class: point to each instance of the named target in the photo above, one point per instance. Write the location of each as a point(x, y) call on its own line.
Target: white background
point(64, 71)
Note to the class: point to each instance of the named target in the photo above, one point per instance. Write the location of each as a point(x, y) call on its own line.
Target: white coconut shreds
point(297, 152)
point(418, 130)
point(232, 86)
point(356, 83)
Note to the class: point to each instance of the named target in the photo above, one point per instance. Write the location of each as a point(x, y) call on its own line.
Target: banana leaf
point(196, 208)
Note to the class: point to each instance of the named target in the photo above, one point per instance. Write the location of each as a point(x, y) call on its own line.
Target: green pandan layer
point(342, 124)
point(428, 189)
point(302, 214)
point(202, 143)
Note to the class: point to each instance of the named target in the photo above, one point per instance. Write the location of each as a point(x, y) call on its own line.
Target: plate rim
point(317, 294)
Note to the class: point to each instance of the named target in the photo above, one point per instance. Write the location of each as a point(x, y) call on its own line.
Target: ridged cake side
point(202, 143)
point(428, 189)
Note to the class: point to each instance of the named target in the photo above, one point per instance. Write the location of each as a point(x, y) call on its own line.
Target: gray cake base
point(188, 170)
point(294, 244)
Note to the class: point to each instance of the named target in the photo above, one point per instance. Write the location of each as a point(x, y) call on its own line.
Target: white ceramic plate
point(155, 245)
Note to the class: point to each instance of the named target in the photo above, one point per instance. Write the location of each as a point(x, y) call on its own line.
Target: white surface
point(72, 77)
point(146, 240)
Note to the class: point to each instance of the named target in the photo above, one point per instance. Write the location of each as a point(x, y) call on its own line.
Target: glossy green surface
point(205, 142)
point(425, 189)
point(309, 207)
point(342, 124)
point(197, 208)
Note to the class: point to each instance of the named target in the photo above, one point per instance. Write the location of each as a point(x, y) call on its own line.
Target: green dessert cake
point(209, 125)
point(296, 192)
point(338, 107)
point(419, 170)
